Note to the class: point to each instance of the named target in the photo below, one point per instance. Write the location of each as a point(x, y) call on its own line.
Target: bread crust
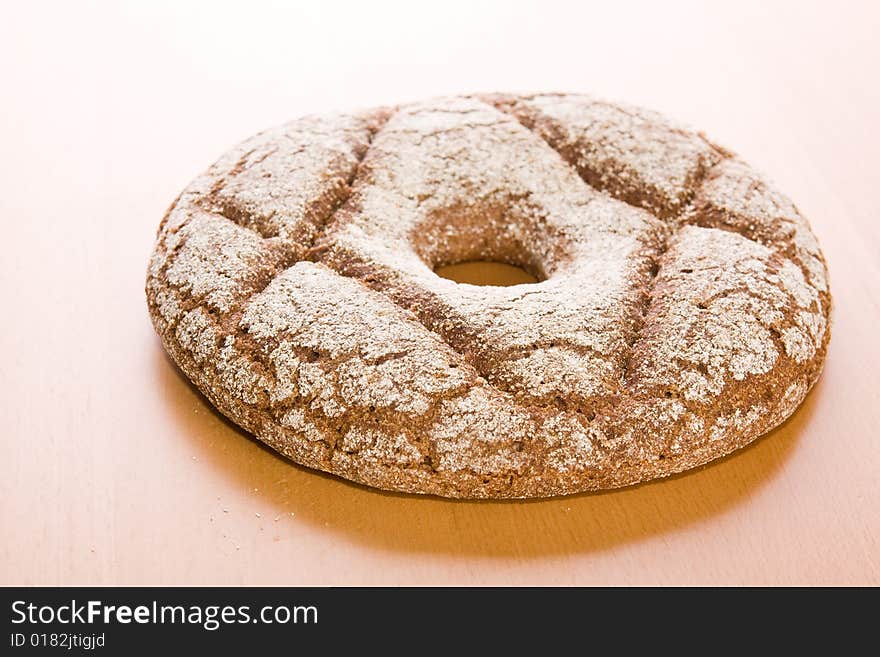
point(682, 308)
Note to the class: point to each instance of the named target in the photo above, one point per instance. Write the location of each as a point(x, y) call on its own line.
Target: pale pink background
point(114, 471)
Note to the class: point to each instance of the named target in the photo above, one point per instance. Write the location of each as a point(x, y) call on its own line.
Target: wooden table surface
point(114, 471)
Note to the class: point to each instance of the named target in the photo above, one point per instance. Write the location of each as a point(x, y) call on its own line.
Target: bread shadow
point(582, 523)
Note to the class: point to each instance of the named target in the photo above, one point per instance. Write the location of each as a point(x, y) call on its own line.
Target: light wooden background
point(113, 471)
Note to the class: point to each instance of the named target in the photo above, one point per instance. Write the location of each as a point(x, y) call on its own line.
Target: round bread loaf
point(681, 308)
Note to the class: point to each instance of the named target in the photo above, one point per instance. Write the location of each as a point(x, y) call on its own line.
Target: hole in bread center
point(485, 272)
point(493, 241)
